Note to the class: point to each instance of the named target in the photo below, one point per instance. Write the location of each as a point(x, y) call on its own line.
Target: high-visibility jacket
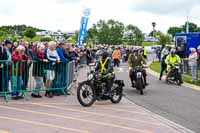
point(116, 54)
point(172, 60)
point(145, 52)
point(103, 67)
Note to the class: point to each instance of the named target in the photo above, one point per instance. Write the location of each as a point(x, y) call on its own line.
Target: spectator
point(198, 53)
point(116, 57)
point(7, 68)
point(17, 56)
point(14, 46)
point(61, 71)
point(61, 51)
point(198, 61)
point(181, 52)
point(53, 58)
point(38, 68)
point(193, 63)
point(88, 56)
point(28, 52)
point(3, 57)
point(144, 52)
point(164, 53)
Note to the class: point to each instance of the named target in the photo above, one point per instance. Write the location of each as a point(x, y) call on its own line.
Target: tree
point(107, 32)
point(133, 35)
point(3, 35)
point(45, 39)
point(163, 39)
point(192, 27)
point(92, 35)
point(173, 30)
point(30, 33)
point(66, 36)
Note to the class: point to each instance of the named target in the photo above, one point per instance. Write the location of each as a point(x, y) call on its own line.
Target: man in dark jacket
point(104, 66)
point(3, 58)
point(135, 60)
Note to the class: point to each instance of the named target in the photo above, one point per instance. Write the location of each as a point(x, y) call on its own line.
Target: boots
point(49, 94)
point(145, 81)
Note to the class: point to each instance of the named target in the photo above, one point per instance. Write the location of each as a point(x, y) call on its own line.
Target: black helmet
point(103, 53)
point(135, 50)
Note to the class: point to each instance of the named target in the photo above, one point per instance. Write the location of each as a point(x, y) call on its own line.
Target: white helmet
point(173, 51)
point(198, 47)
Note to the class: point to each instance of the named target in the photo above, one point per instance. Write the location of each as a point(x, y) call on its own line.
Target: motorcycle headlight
point(90, 76)
point(139, 74)
point(177, 67)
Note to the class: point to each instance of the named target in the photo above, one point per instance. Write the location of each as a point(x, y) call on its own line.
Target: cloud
point(168, 7)
point(8, 7)
point(66, 14)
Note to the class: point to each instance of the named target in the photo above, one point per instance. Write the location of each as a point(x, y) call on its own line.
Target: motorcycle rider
point(104, 66)
point(172, 59)
point(136, 59)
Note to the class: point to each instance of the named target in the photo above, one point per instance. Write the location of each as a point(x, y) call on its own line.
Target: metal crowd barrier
point(20, 78)
point(187, 70)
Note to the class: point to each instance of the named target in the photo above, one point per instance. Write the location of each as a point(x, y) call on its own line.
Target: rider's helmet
point(135, 51)
point(173, 52)
point(104, 54)
point(198, 48)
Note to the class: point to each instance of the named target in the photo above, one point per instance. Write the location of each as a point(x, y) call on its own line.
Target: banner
point(83, 27)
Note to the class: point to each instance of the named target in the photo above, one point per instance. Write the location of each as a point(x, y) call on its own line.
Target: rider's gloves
point(103, 73)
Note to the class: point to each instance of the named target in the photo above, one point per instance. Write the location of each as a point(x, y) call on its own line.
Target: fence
point(186, 69)
point(20, 78)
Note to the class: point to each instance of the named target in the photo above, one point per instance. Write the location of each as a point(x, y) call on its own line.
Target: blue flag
point(83, 27)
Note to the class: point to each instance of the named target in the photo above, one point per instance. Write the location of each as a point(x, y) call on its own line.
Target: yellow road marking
point(78, 119)
point(100, 114)
point(41, 124)
point(93, 113)
point(1, 131)
point(100, 106)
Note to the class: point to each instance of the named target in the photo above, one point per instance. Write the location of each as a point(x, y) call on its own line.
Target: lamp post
point(154, 26)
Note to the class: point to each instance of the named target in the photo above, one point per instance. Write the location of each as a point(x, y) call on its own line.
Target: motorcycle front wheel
point(117, 97)
point(139, 86)
point(178, 81)
point(86, 95)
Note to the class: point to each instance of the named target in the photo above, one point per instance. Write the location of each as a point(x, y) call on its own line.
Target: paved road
point(178, 104)
point(65, 115)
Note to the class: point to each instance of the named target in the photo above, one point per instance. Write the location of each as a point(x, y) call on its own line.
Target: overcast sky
point(65, 14)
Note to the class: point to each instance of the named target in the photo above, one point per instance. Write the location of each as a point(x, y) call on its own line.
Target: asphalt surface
point(176, 103)
point(65, 115)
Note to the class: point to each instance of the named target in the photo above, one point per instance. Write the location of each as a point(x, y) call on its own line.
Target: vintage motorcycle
point(139, 79)
point(94, 88)
point(175, 75)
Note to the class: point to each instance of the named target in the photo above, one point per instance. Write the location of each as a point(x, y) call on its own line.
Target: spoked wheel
point(178, 82)
point(139, 86)
point(86, 94)
point(117, 97)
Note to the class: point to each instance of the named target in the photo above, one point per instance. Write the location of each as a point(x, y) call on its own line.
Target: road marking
point(78, 119)
point(101, 114)
point(41, 124)
point(100, 106)
point(1, 131)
